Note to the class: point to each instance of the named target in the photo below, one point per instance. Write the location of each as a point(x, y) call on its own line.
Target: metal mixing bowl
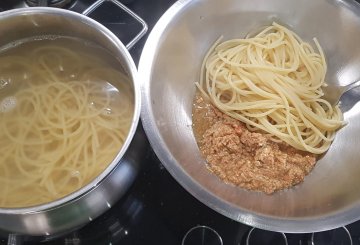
point(169, 66)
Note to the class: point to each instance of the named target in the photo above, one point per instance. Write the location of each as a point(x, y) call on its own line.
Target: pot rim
point(248, 217)
point(132, 72)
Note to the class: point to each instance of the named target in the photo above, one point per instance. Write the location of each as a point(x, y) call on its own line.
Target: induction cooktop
point(156, 209)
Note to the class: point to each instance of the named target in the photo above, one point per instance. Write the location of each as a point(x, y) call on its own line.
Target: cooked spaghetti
point(273, 82)
point(64, 116)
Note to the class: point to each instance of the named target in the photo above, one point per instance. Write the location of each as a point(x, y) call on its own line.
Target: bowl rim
point(132, 73)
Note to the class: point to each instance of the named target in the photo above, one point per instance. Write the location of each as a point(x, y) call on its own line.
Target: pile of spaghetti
point(273, 82)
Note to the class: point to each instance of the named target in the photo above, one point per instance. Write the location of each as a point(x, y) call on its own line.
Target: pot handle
point(138, 36)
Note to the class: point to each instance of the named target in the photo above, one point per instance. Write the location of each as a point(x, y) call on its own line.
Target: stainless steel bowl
point(98, 196)
point(169, 66)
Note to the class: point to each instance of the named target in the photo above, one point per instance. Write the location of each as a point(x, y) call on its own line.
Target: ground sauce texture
point(244, 158)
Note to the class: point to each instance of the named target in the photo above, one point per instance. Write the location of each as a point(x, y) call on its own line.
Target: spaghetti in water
point(64, 116)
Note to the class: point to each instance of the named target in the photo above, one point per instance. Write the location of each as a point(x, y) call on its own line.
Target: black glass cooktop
point(156, 209)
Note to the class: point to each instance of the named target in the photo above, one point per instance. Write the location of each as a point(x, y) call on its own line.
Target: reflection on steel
point(144, 29)
point(49, 3)
point(15, 239)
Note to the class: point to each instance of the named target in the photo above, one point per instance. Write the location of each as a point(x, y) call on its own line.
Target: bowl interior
point(169, 66)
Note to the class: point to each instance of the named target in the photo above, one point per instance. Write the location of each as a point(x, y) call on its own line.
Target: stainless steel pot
point(169, 66)
point(98, 196)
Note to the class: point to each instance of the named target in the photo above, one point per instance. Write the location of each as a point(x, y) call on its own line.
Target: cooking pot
point(98, 196)
point(170, 65)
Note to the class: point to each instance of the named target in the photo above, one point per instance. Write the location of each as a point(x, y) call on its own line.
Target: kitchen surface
point(157, 209)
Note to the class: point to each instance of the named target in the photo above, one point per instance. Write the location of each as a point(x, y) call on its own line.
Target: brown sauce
point(244, 158)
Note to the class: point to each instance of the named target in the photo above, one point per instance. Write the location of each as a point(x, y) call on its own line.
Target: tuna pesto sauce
point(247, 159)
